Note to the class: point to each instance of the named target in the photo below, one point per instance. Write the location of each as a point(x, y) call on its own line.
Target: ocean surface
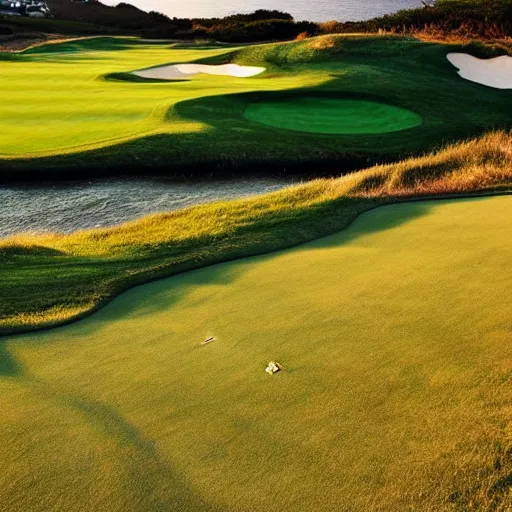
point(66, 208)
point(318, 10)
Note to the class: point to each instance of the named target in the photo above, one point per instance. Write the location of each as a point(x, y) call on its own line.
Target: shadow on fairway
point(103, 44)
point(162, 295)
point(136, 453)
point(9, 367)
point(148, 468)
point(381, 220)
point(227, 114)
point(133, 78)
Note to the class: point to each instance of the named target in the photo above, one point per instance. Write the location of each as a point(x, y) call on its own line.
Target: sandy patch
point(495, 72)
point(186, 71)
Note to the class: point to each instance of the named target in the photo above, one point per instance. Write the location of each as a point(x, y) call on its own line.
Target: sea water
point(70, 207)
point(318, 10)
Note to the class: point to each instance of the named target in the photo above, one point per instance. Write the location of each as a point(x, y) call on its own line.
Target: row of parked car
point(30, 8)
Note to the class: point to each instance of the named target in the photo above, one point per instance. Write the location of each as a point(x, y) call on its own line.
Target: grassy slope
point(61, 104)
point(395, 335)
point(50, 279)
point(52, 26)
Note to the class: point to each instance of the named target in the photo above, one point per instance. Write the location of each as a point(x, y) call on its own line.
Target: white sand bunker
point(495, 72)
point(185, 71)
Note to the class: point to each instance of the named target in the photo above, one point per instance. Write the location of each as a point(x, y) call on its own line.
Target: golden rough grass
point(323, 43)
point(481, 164)
point(477, 165)
point(432, 36)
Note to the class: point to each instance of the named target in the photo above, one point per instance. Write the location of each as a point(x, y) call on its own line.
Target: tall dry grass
point(477, 165)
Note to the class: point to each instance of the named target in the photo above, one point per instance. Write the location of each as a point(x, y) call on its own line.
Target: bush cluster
point(261, 25)
point(263, 30)
point(479, 18)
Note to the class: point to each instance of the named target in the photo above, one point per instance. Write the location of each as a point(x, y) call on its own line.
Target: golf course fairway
point(350, 101)
point(323, 115)
point(396, 343)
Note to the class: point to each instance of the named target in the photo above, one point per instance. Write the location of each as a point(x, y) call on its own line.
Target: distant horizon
point(322, 10)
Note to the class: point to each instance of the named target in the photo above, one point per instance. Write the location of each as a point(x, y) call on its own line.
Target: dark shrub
point(265, 30)
point(481, 18)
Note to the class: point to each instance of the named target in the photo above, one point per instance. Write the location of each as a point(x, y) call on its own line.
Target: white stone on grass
point(272, 368)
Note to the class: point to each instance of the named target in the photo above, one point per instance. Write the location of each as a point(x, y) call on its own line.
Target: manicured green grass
point(58, 101)
point(67, 107)
point(323, 115)
point(396, 343)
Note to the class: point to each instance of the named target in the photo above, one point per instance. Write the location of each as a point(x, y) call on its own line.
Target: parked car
point(30, 8)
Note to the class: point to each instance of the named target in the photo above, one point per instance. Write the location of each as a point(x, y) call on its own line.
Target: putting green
point(77, 105)
point(396, 342)
point(333, 116)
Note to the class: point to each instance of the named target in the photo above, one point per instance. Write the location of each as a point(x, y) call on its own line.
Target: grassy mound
point(395, 395)
point(78, 112)
point(95, 265)
point(334, 116)
point(11, 250)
